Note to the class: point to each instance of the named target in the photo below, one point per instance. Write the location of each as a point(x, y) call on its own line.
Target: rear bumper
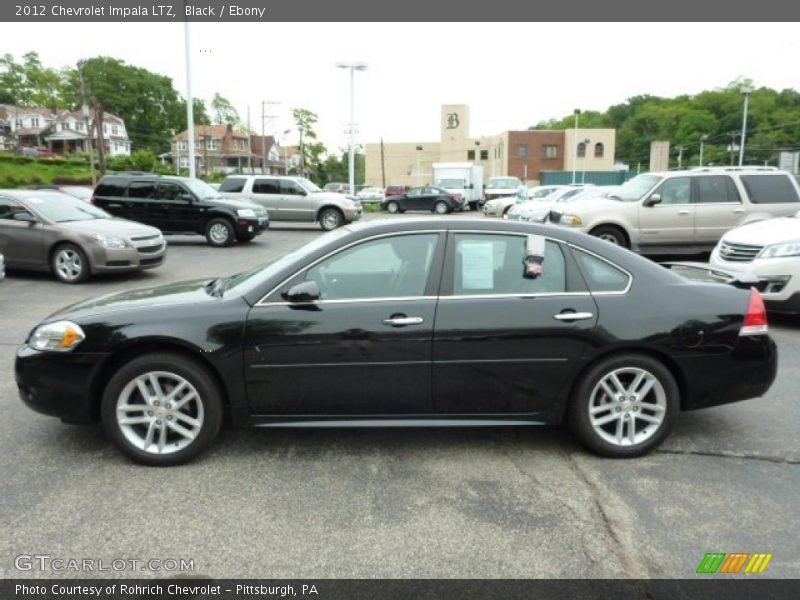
point(57, 384)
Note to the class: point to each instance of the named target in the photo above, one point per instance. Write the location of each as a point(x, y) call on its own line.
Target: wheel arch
point(659, 355)
point(327, 206)
point(140, 347)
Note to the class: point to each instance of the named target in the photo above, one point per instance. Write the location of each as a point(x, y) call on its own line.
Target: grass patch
point(15, 174)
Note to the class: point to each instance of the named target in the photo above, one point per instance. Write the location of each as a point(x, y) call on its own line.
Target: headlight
point(108, 241)
point(61, 336)
point(246, 212)
point(571, 220)
point(780, 250)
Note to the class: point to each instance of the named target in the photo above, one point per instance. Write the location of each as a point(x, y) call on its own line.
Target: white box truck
point(464, 179)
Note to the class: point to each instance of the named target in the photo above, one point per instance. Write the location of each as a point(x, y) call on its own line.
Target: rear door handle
point(683, 212)
point(573, 316)
point(738, 211)
point(402, 321)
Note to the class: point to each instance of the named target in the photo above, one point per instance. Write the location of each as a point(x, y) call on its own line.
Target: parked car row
point(427, 197)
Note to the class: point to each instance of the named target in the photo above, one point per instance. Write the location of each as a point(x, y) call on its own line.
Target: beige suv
point(293, 199)
point(683, 212)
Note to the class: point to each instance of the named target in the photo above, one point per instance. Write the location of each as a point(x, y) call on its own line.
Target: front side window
point(8, 208)
point(600, 275)
point(493, 264)
point(770, 189)
point(169, 190)
point(290, 188)
point(677, 190)
point(141, 189)
point(392, 267)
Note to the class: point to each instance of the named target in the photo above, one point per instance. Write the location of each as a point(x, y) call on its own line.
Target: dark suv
point(180, 205)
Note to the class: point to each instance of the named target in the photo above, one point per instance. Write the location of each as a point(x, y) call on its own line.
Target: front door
point(505, 343)
point(364, 348)
point(177, 208)
point(670, 222)
point(295, 203)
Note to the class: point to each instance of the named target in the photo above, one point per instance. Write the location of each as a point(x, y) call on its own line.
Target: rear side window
point(290, 188)
point(600, 275)
point(141, 189)
point(266, 186)
point(716, 188)
point(770, 189)
point(110, 187)
point(233, 185)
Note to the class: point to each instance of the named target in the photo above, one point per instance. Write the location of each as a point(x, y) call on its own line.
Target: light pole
point(703, 139)
point(746, 90)
point(286, 132)
point(189, 100)
point(419, 149)
point(353, 66)
point(575, 164)
point(586, 143)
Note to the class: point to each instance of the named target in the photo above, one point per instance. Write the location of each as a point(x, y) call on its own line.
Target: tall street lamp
point(746, 90)
point(353, 66)
point(187, 40)
point(575, 139)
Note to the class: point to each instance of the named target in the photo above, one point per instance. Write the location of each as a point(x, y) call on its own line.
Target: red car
point(396, 190)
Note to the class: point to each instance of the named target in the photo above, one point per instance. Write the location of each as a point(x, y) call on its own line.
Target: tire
point(69, 264)
point(611, 234)
point(243, 239)
point(506, 209)
point(220, 233)
point(330, 218)
point(393, 207)
point(608, 432)
point(205, 409)
point(441, 208)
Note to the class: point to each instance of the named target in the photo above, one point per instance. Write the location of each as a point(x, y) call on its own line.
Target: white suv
point(684, 212)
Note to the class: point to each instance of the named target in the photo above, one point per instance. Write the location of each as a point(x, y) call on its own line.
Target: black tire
point(393, 207)
point(191, 371)
point(507, 208)
point(330, 218)
point(70, 264)
point(440, 208)
point(611, 234)
point(220, 233)
point(579, 418)
point(247, 237)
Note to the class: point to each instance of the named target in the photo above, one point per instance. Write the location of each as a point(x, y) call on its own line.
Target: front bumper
point(141, 256)
point(780, 274)
point(251, 227)
point(57, 384)
point(352, 214)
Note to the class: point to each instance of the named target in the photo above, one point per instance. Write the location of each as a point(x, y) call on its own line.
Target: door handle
point(402, 321)
point(573, 316)
point(738, 211)
point(683, 212)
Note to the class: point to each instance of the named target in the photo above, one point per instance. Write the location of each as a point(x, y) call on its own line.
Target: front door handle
point(400, 321)
point(738, 211)
point(573, 316)
point(683, 213)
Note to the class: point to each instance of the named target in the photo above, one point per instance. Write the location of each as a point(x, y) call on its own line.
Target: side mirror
point(307, 291)
point(25, 217)
point(653, 200)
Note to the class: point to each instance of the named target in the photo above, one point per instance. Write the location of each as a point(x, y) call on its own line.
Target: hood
point(116, 227)
point(234, 203)
point(171, 294)
point(771, 231)
point(590, 205)
point(330, 196)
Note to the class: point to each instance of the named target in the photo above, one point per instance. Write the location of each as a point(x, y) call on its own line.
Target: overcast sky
point(511, 75)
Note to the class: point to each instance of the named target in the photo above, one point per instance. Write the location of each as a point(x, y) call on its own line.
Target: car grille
point(150, 249)
point(150, 261)
point(146, 238)
point(738, 252)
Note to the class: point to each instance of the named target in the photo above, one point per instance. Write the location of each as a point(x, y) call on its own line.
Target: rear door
point(267, 192)
point(504, 343)
point(670, 222)
point(140, 202)
point(718, 207)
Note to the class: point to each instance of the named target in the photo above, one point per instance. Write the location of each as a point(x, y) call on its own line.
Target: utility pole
point(86, 113)
point(264, 117)
point(703, 138)
point(680, 157)
point(101, 146)
point(746, 90)
point(383, 167)
point(249, 144)
point(189, 99)
point(733, 143)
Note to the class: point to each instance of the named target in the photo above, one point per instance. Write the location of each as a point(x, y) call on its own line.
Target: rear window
point(142, 189)
point(770, 189)
point(601, 276)
point(233, 185)
point(111, 187)
point(266, 186)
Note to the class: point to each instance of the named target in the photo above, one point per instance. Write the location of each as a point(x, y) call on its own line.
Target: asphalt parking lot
point(469, 503)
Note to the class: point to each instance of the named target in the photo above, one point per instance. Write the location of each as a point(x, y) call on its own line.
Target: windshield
point(502, 183)
point(633, 190)
point(277, 264)
point(202, 190)
point(81, 193)
point(63, 209)
point(309, 186)
point(450, 183)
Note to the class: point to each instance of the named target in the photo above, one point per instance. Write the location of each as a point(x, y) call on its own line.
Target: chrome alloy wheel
point(627, 406)
point(218, 233)
point(69, 264)
point(609, 237)
point(159, 412)
point(440, 208)
point(330, 220)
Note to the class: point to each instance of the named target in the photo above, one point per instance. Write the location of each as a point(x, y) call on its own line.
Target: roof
point(213, 130)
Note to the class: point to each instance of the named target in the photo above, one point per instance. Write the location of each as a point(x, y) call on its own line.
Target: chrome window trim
point(613, 264)
point(519, 296)
point(338, 250)
point(351, 301)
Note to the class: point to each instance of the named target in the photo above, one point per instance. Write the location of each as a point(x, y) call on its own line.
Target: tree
point(310, 152)
point(28, 83)
point(224, 111)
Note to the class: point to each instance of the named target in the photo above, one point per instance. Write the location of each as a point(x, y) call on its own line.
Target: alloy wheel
point(609, 237)
point(218, 233)
point(69, 264)
point(441, 208)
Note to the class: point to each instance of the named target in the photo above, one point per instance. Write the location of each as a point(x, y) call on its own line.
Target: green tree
point(224, 111)
point(28, 83)
point(310, 150)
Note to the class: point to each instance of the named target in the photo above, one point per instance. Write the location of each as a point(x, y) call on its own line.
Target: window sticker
point(477, 265)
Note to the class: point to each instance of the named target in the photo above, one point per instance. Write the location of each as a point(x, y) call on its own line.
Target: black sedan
point(406, 323)
point(427, 197)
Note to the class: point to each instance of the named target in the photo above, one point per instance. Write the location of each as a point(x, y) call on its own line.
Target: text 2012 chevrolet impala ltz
point(408, 322)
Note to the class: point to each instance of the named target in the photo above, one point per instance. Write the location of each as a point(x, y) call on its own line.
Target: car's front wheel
point(624, 406)
point(611, 234)
point(330, 219)
point(69, 264)
point(220, 233)
point(162, 409)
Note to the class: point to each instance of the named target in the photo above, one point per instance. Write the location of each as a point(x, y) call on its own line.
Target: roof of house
point(218, 131)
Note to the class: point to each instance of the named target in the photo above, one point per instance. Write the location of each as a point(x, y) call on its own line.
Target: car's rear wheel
point(330, 218)
point(220, 233)
point(162, 409)
point(624, 406)
point(393, 207)
point(441, 208)
point(69, 264)
point(611, 234)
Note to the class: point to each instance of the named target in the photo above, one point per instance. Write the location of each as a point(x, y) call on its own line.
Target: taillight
point(755, 319)
point(91, 200)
